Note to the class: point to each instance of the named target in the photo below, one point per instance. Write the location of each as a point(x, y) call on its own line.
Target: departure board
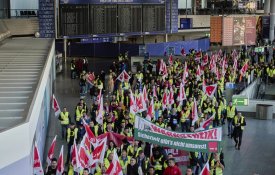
point(93, 19)
point(73, 20)
point(129, 18)
point(103, 19)
point(153, 18)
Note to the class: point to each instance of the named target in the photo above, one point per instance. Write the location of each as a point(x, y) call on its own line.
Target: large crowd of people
point(195, 70)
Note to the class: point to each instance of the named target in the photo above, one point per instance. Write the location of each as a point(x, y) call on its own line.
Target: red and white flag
point(163, 68)
point(182, 95)
point(89, 135)
point(213, 65)
point(244, 68)
point(182, 52)
point(185, 73)
point(206, 169)
point(91, 78)
point(98, 153)
point(198, 73)
point(218, 75)
point(145, 95)
point(60, 163)
point(75, 157)
point(164, 100)
point(99, 117)
point(51, 152)
point(83, 156)
point(171, 97)
point(123, 76)
point(99, 97)
point(141, 104)
point(223, 66)
point(205, 60)
point(209, 90)
point(133, 105)
point(205, 123)
point(115, 167)
point(234, 54)
point(170, 60)
point(55, 106)
point(195, 116)
point(154, 91)
point(37, 166)
point(150, 111)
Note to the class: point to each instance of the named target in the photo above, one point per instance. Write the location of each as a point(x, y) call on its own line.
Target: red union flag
point(195, 116)
point(37, 166)
point(91, 78)
point(206, 169)
point(89, 133)
point(244, 68)
point(115, 167)
point(164, 100)
point(181, 95)
point(150, 112)
point(210, 90)
point(83, 157)
point(60, 163)
point(51, 152)
point(133, 105)
point(55, 106)
point(205, 123)
point(98, 153)
point(126, 76)
point(170, 60)
point(75, 157)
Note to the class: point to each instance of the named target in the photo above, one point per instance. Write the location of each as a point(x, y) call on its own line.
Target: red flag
point(164, 101)
point(51, 151)
point(115, 167)
point(133, 105)
point(37, 166)
point(99, 116)
point(195, 116)
point(171, 96)
point(83, 157)
point(121, 77)
point(91, 78)
point(210, 90)
point(150, 112)
point(60, 163)
point(115, 137)
point(198, 73)
point(126, 76)
point(89, 133)
point(244, 68)
point(141, 104)
point(163, 68)
point(206, 169)
point(145, 95)
point(55, 106)
point(182, 52)
point(99, 152)
point(205, 123)
point(170, 60)
point(182, 95)
point(205, 60)
point(154, 91)
point(75, 157)
point(185, 73)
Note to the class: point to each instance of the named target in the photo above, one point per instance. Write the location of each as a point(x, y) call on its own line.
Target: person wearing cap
point(172, 168)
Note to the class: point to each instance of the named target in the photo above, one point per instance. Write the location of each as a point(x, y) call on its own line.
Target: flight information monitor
point(113, 17)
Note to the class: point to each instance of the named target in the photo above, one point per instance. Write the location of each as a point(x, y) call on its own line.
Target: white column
point(267, 6)
point(272, 26)
point(65, 49)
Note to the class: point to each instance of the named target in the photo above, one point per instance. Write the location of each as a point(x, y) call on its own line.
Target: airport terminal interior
point(137, 87)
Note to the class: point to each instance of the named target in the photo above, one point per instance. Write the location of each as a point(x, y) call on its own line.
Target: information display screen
point(93, 19)
point(239, 31)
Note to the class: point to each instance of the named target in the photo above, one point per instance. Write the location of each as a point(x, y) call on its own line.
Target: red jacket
point(172, 171)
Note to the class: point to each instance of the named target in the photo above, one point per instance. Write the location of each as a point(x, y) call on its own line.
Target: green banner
point(203, 141)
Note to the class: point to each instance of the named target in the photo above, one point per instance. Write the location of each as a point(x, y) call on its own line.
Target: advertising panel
point(216, 29)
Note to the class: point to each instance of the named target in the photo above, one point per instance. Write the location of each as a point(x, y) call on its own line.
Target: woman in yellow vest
point(216, 167)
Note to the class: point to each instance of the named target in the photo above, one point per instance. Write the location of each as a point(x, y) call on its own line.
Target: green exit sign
point(240, 100)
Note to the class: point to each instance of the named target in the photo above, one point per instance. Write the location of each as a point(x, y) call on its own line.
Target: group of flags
point(80, 155)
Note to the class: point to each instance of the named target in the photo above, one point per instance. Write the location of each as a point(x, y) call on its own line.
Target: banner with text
point(203, 141)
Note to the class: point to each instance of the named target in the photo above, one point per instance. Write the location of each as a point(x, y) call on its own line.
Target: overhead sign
point(208, 141)
point(239, 100)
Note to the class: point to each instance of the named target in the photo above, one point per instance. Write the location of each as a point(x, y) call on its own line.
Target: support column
point(65, 49)
point(267, 6)
point(272, 26)
point(166, 37)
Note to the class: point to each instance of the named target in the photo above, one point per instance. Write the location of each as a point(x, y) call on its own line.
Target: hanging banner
point(204, 141)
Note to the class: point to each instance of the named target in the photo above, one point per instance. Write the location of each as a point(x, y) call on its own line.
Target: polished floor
point(256, 157)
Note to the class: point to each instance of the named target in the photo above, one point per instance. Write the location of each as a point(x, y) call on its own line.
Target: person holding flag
point(51, 170)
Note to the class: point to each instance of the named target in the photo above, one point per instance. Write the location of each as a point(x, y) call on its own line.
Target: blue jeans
point(64, 131)
point(230, 126)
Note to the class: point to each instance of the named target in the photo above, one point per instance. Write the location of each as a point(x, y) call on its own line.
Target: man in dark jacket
point(132, 168)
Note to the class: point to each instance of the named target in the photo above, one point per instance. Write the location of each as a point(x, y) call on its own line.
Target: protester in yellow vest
point(239, 123)
point(64, 118)
point(216, 167)
point(230, 113)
